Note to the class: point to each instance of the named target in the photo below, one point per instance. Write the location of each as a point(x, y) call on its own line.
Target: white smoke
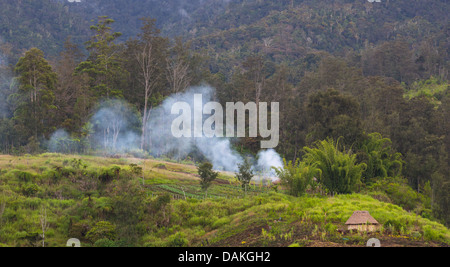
point(58, 141)
point(267, 160)
point(184, 13)
point(115, 128)
point(218, 151)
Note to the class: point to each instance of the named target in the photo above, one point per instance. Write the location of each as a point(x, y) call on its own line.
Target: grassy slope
point(226, 218)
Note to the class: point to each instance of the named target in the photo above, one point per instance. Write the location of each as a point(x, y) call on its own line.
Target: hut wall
point(363, 227)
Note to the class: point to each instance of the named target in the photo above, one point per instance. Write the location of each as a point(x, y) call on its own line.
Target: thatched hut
point(362, 221)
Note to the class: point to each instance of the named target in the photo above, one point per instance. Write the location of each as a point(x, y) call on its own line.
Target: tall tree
point(34, 115)
point(70, 89)
point(256, 73)
point(178, 68)
point(334, 115)
point(392, 59)
point(150, 52)
point(102, 65)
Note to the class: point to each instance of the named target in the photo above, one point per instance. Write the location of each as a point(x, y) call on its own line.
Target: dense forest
point(366, 81)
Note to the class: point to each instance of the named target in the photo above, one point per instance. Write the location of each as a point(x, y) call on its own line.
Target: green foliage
point(109, 174)
point(105, 243)
point(380, 159)
point(340, 172)
point(335, 115)
point(177, 240)
point(245, 174)
point(400, 193)
point(207, 175)
point(23, 176)
point(136, 170)
point(298, 176)
point(433, 89)
point(123, 213)
point(337, 71)
point(35, 97)
point(221, 222)
point(30, 190)
point(102, 230)
point(102, 66)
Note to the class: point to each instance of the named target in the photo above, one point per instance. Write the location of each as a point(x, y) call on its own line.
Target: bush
point(161, 166)
point(430, 234)
point(25, 177)
point(207, 175)
point(52, 175)
point(108, 174)
point(30, 190)
point(399, 192)
point(105, 243)
point(79, 230)
point(395, 225)
point(177, 240)
point(245, 174)
point(340, 172)
point(297, 176)
point(102, 230)
point(331, 228)
point(136, 170)
point(221, 222)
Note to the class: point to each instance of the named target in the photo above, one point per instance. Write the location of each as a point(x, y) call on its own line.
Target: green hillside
point(358, 101)
point(106, 202)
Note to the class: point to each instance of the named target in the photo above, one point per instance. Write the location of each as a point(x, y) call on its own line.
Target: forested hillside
point(362, 86)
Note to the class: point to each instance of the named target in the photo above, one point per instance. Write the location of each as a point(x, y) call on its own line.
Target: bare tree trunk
point(116, 131)
point(44, 224)
point(145, 61)
point(144, 125)
point(177, 77)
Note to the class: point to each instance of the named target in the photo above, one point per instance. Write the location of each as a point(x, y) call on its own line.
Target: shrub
point(207, 176)
point(399, 192)
point(30, 190)
point(102, 230)
point(340, 172)
point(221, 222)
point(25, 177)
point(78, 230)
point(429, 233)
point(394, 225)
point(135, 169)
point(51, 175)
point(177, 240)
point(245, 174)
point(331, 228)
point(108, 174)
point(105, 243)
point(78, 164)
point(380, 158)
point(297, 176)
point(161, 166)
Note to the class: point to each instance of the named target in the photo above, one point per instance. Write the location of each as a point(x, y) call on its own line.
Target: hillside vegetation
point(363, 93)
point(110, 202)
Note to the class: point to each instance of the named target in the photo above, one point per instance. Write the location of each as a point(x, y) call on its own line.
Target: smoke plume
point(116, 128)
point(218, 151)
